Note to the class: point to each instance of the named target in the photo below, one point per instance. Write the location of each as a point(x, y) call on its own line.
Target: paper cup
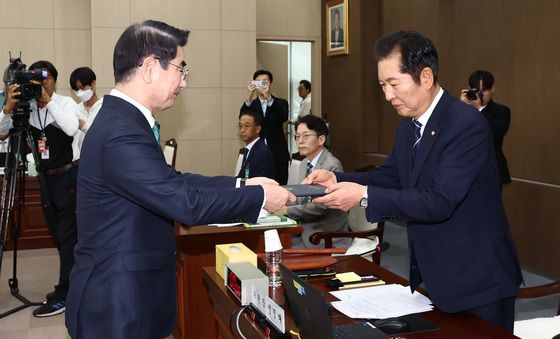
point(272, 241)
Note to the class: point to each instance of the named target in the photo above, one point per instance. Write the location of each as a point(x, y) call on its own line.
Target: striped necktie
point(307, 172)
point(309, 169)
point(417, 136)
point(155, 129)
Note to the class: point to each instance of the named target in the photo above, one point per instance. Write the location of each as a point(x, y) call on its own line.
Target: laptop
point(311, 312)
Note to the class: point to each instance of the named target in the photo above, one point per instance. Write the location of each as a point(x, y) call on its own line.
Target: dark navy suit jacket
point(498, 118)
point(259, 161)
point(122, 284)
point(458, 235)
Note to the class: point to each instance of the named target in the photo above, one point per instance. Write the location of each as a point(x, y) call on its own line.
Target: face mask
point(84, 95)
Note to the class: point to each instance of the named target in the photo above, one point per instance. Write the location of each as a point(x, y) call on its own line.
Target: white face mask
point(84, 95)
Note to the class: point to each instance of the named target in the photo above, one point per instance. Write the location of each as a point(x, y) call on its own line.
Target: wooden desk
point(34, 230)
point(461, 325)
point(195, 250)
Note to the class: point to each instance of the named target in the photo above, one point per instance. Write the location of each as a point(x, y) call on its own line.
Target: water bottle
point(273, 250)
point(273, 260)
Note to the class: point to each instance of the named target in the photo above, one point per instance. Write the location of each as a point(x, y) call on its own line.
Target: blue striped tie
point(417, 136)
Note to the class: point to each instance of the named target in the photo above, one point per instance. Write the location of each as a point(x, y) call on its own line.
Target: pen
point(369, 278)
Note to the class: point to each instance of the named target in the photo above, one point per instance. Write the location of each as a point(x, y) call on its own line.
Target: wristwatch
point(363, 202)
point(242, 182)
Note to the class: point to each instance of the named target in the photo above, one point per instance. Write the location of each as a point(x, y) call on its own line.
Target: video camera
point(16, 73)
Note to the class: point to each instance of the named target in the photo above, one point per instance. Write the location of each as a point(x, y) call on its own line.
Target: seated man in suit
point(311, 133)
point(257, 158)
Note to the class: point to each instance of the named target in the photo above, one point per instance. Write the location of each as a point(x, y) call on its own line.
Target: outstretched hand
point(342, 196)
point(321, 177)
point(276, 197)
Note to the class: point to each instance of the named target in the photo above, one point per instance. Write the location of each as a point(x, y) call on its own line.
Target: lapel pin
point(433, 133)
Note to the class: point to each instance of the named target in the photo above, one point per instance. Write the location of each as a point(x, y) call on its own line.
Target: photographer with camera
point(53, 121)
point(275, 113)
point(498, 116)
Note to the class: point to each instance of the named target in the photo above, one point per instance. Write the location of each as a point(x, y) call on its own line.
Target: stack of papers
point(380, 302)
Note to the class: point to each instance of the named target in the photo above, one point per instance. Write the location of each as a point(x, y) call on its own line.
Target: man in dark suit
point(498, 116)
point(442, 178)
point(123, 279)
point(275, 113)
point(257, 158)
point(337, 33)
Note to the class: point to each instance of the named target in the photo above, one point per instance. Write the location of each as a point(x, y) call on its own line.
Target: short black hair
point(261, 72)
point(140, 41)
point(306, 84)
point(85, 75)
point(314, 123)
point(416, 51)
point(256, 116)
point(486, 77)
point(43, 64)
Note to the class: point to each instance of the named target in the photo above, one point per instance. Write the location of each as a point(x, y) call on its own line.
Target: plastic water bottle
point(273, 260)
point(273, 250)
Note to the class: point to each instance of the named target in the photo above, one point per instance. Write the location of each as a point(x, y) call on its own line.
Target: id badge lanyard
point(42, 146)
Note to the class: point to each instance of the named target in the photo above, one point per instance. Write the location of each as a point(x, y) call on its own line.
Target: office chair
point(170, 151)
point(539, 327)
point(365, 235)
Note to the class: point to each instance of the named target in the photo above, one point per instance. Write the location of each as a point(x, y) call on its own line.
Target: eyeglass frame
point(304, 136)
point(183, 69)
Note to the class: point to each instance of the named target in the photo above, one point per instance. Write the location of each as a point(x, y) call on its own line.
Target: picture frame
point(337, 27)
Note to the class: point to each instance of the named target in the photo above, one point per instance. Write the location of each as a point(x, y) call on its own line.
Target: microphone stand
point(381, 248)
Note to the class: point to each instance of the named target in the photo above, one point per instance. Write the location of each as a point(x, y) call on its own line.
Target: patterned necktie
point(417, 137)
point(155, 129)
point(245, 171)
point(309, 169)
point(307, 172)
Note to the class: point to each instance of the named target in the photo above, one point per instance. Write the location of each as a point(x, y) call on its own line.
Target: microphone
point(381, 247)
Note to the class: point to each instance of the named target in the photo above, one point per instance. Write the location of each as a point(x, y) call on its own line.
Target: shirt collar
point(316, 159)
point(426, 116)
point(268, 102)
point(145, 111)
point(251, 144)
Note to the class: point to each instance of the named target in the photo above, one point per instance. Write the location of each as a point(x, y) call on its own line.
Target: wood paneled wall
point(514, 39)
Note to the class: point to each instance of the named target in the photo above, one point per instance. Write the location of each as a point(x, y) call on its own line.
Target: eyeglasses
point(244, 126)
point(183, 69)
point(304, 136)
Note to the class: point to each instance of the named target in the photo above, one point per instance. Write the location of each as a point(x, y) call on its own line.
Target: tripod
point(14, 178)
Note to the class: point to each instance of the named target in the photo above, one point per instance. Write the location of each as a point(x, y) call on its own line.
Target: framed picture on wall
point(337, 27)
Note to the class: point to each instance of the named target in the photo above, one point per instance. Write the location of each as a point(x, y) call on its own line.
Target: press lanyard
point(42, 147)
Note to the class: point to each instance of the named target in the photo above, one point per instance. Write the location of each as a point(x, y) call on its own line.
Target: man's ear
point(427, 77)
point(148, 69)
point(259, 129)
point(321, 139)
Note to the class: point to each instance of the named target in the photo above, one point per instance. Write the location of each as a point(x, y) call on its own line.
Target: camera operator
point(53, 121)
point(498, 116)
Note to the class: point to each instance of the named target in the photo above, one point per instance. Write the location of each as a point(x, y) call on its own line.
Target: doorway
point(290, 62)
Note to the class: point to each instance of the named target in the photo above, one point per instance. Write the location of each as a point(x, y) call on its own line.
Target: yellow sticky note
point(348, 277)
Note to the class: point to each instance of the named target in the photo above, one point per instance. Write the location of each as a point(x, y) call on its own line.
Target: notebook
point(311, 312)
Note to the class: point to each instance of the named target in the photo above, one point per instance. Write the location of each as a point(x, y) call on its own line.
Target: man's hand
point(276, 197)
point(11, 100)
point(260, 181)
point(474, 103)
point(342, 196)
point(251, 91)
point(321, 177)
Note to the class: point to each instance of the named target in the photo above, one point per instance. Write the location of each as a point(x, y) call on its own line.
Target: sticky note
point(348, 277)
